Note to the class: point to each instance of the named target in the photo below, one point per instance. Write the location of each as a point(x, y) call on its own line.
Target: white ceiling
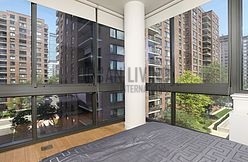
point(118, 5)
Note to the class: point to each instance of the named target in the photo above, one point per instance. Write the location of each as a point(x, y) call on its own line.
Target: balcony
point(207, 59)
point(154, 97)
point(3, 34)
point(154, 51)
point(155, 62)
point(155, 108)
point(155, 29)
point(154, 39)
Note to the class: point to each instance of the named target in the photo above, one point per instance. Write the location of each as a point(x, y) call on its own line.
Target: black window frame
point(235, 78)
point(34, 89)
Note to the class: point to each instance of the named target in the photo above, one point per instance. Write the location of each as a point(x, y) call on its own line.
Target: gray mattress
point(156, 142)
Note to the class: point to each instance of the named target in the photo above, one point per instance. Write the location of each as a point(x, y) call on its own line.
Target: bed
point(156, 142)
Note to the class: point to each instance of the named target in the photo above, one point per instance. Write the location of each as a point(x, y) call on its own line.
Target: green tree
point(193, 104)
point(214, 73)
point(53, 79)
point(18, 103)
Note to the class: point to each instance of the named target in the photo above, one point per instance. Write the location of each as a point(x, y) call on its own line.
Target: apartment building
point(211, 42)
point(196, 44)
point(53, 69)
point(224, 57)
point(245, 62)
point(224, 51)
point(75, 53)
point(15, 48)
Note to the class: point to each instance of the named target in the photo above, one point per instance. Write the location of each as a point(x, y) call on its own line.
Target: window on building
point(120, 50)
point(112, 33)
point(120, 35)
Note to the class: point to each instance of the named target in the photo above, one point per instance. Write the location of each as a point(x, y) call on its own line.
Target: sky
point(49, 15)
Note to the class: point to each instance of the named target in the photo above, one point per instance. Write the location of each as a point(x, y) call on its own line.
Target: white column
point(239, 119)
point(134, 27)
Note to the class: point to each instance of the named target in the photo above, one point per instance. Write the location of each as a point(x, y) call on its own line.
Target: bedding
point(156, 142)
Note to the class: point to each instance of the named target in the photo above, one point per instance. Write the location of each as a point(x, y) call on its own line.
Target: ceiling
point(118, 5)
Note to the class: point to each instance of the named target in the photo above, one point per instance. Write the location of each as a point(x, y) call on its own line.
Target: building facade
point(75, 53)
point(196, 44)
point(211, 41)
point(15, 48)
point(245, 62)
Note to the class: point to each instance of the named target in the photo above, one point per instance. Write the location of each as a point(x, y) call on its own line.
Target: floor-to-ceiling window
point(194, 49)
point(59, 73)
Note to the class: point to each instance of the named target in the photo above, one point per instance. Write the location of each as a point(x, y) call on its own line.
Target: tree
point(53, 79)
point(193, 104)
point(214, 73)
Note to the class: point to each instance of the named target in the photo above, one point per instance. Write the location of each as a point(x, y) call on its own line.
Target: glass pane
point(204, 113)
point(201, 43)
point(57, 113)
point(158, 53)
point(110, 55)
point(15, 119)
point(158, 106)
point(245, 46)
point(15, 42)
point(64, 48)
point(111, 105)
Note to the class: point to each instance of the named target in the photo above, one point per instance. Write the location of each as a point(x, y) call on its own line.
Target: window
point(63, 112)
point(120, 65)
point(12, 16)
point(116, 34)
point(19, 109)
point(109, 73)
point(120, 50)
point(201, 59)
point(112, 33)
point(12, 28)
point(115, 49)
point(120, 97)
point(111, 105)
point(12, 34)
point(245, 51)
point(203, 112)
point(22, 19)
point(120, 35)
point(12, 22)
point(65, 55)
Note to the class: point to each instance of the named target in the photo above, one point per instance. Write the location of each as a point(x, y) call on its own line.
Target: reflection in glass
point(15, 119)
point(68, 54)
point(159, 106)
point(110, 55)
point(63, 112)
point(110, 105)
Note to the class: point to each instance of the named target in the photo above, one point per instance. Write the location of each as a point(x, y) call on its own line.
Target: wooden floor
point(33, 153)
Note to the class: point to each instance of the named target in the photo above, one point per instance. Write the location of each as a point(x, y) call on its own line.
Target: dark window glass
point(65, 48)
point(158, 53)
point(58, 113)
point(110, 57)
point(110, 105)
point(15, 119)
point(158, 106)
